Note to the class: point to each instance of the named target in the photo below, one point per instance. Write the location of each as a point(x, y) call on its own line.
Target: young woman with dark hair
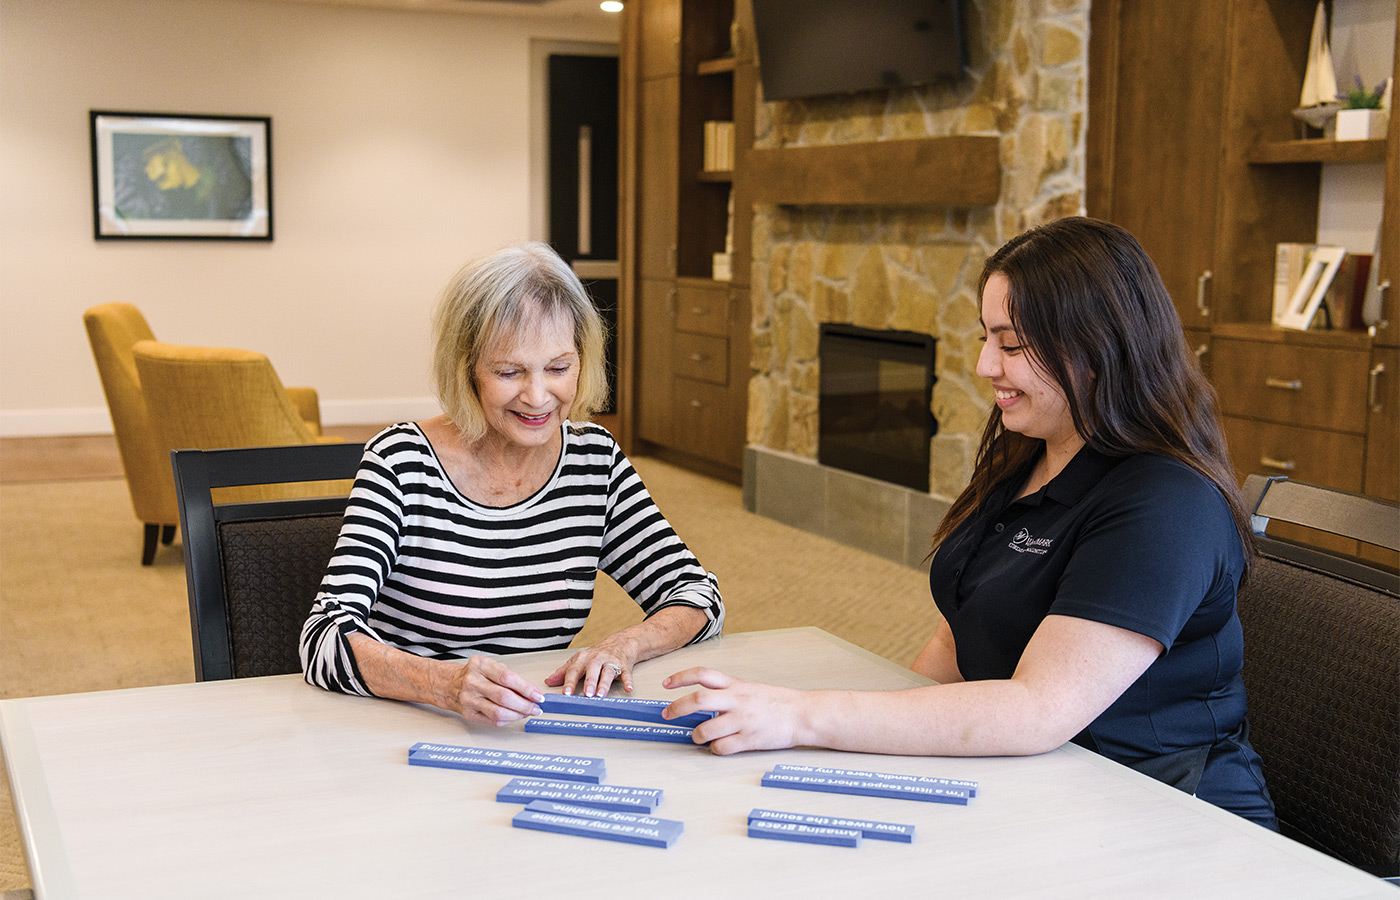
point(1087, 574)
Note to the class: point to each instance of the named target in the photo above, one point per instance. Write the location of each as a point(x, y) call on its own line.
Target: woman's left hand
point(752, 716)
point(594, 669)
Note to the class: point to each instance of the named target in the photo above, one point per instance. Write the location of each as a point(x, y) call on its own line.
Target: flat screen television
point(812, 48)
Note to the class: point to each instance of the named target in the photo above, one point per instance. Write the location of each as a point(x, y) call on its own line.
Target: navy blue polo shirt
point(1143, 543)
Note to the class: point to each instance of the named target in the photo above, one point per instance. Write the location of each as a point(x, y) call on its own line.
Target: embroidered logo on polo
point(1024, 543)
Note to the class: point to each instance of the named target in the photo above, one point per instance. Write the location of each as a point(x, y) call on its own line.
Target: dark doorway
point(583, 182)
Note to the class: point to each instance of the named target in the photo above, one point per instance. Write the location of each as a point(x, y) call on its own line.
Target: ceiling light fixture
point(611, 6)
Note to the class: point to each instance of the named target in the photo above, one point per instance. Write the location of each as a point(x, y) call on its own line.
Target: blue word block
point(608, 831)
point(588, 769)
point(599, 796)
point(667, 733)
point(637, 708)
point(884, 831)
point(865, 788)
point(665, 826)
point(807, 834)
point(969, 786)
point(570, 818)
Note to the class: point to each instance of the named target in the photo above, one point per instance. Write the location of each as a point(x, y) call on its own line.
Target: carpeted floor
point(78, 612)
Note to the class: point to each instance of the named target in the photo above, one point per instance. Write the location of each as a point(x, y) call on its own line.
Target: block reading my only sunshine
point(587, 769)
point(598, 796)
point(927, 781)
point(638, 708)
point(566, 818)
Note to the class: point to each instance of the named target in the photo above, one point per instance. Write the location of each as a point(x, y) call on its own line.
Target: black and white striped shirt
point(422, 568)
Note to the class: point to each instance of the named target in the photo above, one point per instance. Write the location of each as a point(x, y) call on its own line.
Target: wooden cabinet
point(690, 371)
point(1193, 148)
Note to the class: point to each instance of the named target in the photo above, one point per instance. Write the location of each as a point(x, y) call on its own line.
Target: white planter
point(1362, 124)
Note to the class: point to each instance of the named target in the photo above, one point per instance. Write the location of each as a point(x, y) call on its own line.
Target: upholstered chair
point(113, 330)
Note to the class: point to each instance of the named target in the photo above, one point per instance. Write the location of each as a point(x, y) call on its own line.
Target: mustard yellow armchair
point(218, 397)
point(113, 331)
point(113, 328)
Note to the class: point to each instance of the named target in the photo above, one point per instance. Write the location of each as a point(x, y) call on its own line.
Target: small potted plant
point(1362, 116)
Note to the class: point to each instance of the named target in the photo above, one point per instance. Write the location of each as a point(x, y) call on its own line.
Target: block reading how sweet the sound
point(808, 834)
point(587, 769)
point(884, 831)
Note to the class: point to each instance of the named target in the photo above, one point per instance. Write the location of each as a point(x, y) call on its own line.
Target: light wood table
point(268, 787)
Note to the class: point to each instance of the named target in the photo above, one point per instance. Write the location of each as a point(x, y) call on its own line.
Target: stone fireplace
point(911, 268)
point(873, 405)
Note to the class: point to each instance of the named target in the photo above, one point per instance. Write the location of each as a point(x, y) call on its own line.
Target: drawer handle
point(699, 310)
point(696, 404)
point(698, 357)
point(1207, 275)
point(1269, 462)
point(1202, 350)
point(1294, 384)
point(1374, 398)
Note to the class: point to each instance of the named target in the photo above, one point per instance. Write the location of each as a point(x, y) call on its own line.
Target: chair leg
point(148, 548)
point(167, 534)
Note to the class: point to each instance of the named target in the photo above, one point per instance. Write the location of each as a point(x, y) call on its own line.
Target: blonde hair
point(500, 295)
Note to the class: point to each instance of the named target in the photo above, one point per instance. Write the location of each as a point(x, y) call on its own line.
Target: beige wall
point(401, 146)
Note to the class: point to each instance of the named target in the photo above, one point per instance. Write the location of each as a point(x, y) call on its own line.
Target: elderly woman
point(481, 531)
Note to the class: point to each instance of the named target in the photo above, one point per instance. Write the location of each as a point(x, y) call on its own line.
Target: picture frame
point(177, 176)
point(1312, 287)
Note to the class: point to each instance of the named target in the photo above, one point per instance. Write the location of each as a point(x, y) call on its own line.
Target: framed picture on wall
point(175, 176)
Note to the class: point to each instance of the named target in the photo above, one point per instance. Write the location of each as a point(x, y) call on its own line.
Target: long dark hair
point(1090, 306)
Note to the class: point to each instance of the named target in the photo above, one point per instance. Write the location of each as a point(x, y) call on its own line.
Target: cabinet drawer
point(1321, 387)
point(1330, 458)
point(702, 309)
point(701, 356)
point(705, 422)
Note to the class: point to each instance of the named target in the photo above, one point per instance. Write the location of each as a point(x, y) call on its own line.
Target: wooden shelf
point(1318, 151)
point(1344, 338)
point(959, 170)
point(723, 177)
point(716, 66)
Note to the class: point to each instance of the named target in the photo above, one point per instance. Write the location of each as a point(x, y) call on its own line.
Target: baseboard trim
point(54, 422)
point(95, 420)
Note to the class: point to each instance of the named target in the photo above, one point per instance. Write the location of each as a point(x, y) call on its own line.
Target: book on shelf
point(719, 146)
point(1290, 261)
point(1346, 295)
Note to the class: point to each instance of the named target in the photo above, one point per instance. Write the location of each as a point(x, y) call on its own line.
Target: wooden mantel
point(958, 170)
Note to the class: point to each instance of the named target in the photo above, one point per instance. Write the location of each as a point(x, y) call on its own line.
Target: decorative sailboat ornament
point(1319, 103)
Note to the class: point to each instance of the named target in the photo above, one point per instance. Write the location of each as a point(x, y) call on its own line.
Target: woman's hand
point(484, 691)
point(595, 668)
point(752, 716)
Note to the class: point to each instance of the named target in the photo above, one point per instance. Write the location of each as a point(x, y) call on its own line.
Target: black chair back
point(1322, 670)
point(253, 568)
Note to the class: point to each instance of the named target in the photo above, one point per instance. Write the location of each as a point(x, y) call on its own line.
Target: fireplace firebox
point(875, 403)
